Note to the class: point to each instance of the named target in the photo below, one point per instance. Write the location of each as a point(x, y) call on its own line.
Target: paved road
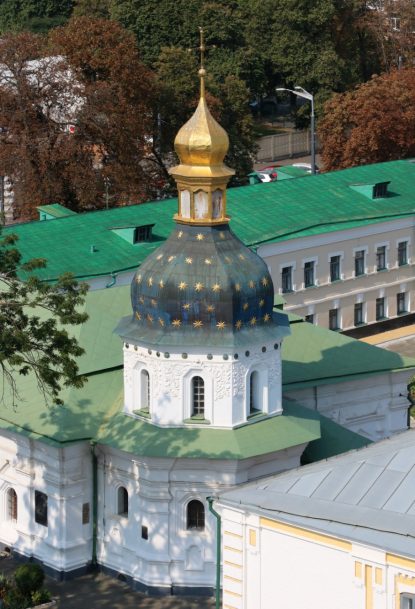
point(98, 591)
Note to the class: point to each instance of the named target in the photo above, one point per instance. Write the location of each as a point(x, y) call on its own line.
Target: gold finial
point(202, 71)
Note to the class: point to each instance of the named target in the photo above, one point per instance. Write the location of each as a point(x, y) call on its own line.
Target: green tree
point(99, 9)
point(34, 15)
point(370, 124)
point(33, 315)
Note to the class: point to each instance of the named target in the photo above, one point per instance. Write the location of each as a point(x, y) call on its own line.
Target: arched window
point(254, 393)
point(195, 515)
point(145, 390)
point(11, 504)
point(198, 396)
point(122, 502)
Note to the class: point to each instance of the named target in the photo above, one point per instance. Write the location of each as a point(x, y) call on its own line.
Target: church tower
point(203, 345)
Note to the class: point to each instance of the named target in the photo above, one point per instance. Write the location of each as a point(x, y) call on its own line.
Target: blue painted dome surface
point(202, 280)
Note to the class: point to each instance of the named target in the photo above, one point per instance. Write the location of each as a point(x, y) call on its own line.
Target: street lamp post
point(300, 92)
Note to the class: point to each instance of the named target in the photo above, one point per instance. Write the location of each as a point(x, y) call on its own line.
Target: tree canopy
point(33, 316)
point(373, 123)
point(75, 111)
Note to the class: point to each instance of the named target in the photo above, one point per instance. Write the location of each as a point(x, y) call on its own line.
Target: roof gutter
point(218, 542)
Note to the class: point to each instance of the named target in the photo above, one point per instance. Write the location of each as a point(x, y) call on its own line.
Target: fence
point(283, 146)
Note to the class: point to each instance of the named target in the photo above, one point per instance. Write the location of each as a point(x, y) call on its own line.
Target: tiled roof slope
point(366, 495)
point(260, 214)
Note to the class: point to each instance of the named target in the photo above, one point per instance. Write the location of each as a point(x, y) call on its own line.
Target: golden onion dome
point(201, 141)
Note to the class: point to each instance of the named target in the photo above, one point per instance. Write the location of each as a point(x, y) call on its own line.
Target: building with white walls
point(335, 534)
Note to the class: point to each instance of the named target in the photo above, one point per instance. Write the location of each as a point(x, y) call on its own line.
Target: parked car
point(306, 166)
point(262, 175)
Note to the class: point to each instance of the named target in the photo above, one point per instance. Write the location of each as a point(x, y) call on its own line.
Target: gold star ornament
point(198, 323)
point(182, 285)
point(220, 325)
point(189, 260)
point(267, 317)
point(238, 324)
point(200, 237)
point(216, 287)
point(198, 286)
point(264, 282)
point(252, 321)
point(176, 323)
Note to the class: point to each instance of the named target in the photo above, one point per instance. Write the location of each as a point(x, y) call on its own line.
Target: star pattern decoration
point(189, 260)
point(182, 285)
point(264, 281)
point(200, 237)
point(216, 287)
point(159, 257)
point(241, 257)
point(141, 299)
point(267, 317)
point(180, 234)
point(138, 279)
point(198, 286)
point(161, 284)
point(198, 323)
point(150, 282)
point(210, 308)
point(186, 306)
point(237, 287)
point(150, 318)
point(261, 302)
point(245, 306)
point(208, 261)
point(222, 235)
point(227, 259)
point(171, 258)
point(238, 324)
point(220, 325)
point(252, 321)
point(176, 323)
point(153, 302)
point(138, 316)
point(251, 284)
point(161, 322)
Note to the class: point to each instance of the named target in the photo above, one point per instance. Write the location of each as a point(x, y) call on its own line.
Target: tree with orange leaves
point(373, 123)
point(75, 117)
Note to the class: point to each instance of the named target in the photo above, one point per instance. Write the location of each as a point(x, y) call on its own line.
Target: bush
point(41, 596)
point(29, 578)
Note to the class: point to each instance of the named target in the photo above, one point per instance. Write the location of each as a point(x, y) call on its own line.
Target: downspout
point(218, 542)
point(113, 280)
point(94, 503)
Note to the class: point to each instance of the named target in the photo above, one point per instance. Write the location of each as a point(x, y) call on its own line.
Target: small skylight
point(377, 190)
point(134, 234)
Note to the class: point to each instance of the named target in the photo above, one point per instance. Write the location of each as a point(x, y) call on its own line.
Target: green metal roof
point(263, 213)
point(56, 210)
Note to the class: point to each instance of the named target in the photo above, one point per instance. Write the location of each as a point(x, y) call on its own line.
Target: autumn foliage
point(75, 117)
point(373, 123)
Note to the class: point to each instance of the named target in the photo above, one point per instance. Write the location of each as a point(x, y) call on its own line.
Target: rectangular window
point(334, 319)
point(144, 532)
point(309, 319)
point(41, 508)
point(85, 513)
point(401, 303)
point(358, 314)
point(334, 268)
point(381, 258)
point(359, 263)
point(380, 309)
point(407, 601)
point(309, 274)
point(287, 279)
point(402, 253)
point(143, 233)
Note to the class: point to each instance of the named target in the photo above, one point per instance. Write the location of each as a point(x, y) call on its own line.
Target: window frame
point(335, 263)
point(287, 278)
point(383, 307)
point(198, 397)
point(358, 314)
point(123, 501)
point(401, 297)
point(309, 273)
point(360, 260)
point(334, 313)
point(196, 521)
point(405, 243)
point(41, 508)
point(381, 264)
point(12, 505)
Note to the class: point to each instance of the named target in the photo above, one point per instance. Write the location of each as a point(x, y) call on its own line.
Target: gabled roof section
point(55, 210)
point(367, 495)
point(263, 213)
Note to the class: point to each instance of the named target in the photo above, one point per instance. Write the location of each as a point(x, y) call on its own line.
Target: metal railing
point(284, 146)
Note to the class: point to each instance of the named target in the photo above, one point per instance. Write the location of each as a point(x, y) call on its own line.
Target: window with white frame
point(381, 258)
point(358, 314)
point(309, 271)
point(41, 508)
point(334, 268)
point(198, 397)
point(380, 309)
point(122, 501)
point(407, 601)
point(254, 393)
point(195, 515)
point(359, 263)
point(402, 253)
point(334, 319)
point(401, 304)
point(287, 279)
point(145, 390)
point(11, 504)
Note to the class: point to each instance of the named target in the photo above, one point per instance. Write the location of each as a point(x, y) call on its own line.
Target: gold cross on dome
point(202, 47)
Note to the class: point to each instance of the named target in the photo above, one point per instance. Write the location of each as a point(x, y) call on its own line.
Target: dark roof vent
point(134, 234)
point(377, 190)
